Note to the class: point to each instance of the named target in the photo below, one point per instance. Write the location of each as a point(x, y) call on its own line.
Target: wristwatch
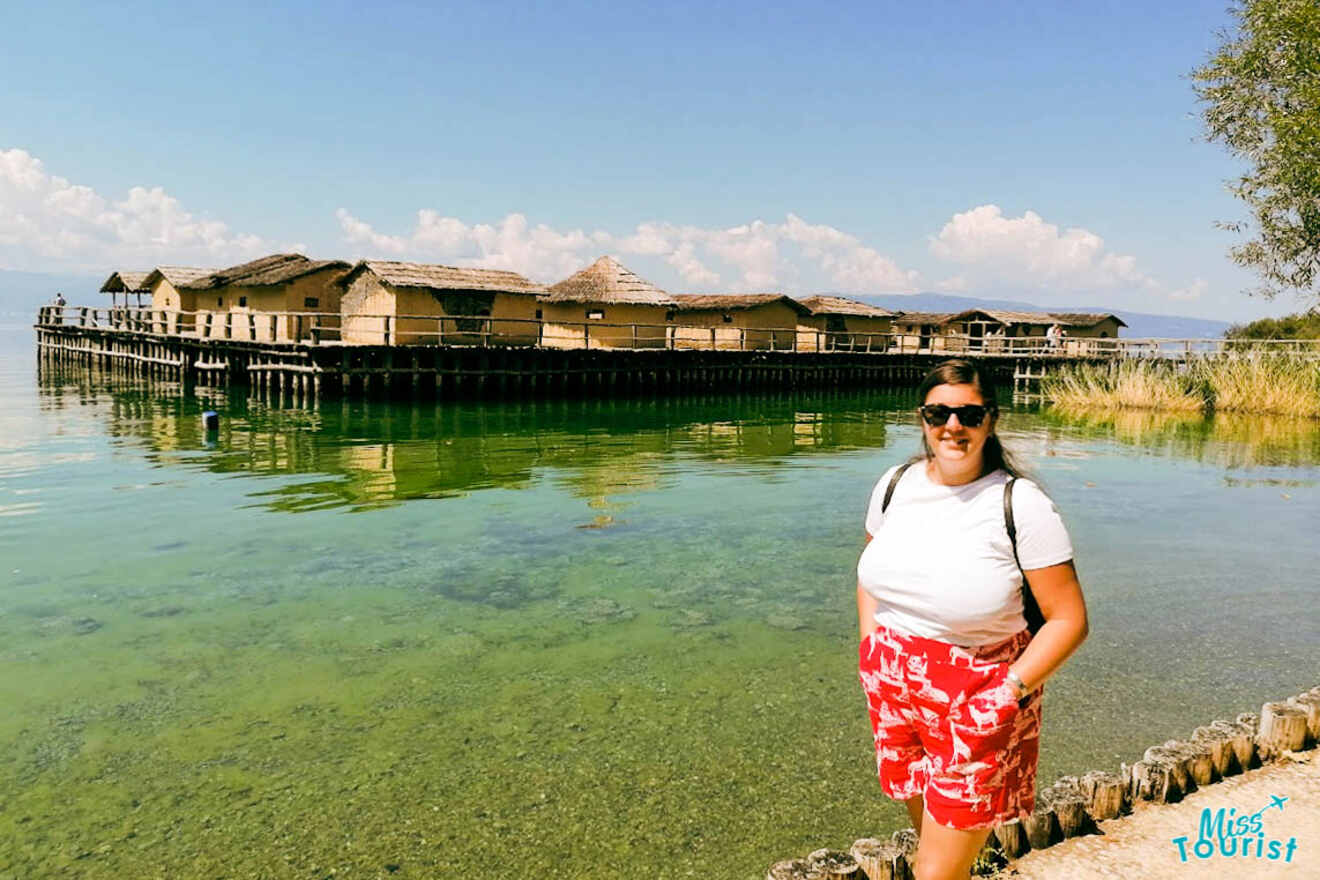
point(1021, 687)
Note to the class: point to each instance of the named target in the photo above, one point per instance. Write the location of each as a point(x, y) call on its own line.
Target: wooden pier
point(306, 360)
point(311, 370)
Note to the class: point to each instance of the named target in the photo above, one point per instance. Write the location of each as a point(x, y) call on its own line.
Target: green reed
point(1242, 382)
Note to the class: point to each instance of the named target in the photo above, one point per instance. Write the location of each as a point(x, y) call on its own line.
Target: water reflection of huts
point(379, 454)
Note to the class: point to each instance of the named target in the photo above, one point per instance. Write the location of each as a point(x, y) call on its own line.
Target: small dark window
point(311, 302)
point(595, 314)
point(728, 319)
point(1104, 334)
point(538, 314)
point(835, 323)
point(669, 316)
point(219, 301)
point(242, 301)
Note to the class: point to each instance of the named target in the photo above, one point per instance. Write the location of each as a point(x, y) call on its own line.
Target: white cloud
point(756, 256)
point(1026, 250)
point(536, 251)
point(692, 270)
point(1195, 290)
point(48, 223)
point(952, 284)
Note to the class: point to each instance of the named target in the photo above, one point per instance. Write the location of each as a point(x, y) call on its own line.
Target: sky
point(1040, 151)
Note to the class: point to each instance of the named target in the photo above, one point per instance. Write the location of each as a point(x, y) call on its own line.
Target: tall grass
point(1123, 384)
point(1264, 384)
point(1233, 382)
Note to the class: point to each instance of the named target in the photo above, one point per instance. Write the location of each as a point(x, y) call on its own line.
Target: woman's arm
point(1060, 598)
point(866, 604)
point(865, 612)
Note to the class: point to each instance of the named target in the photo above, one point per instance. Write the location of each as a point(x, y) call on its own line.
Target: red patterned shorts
point(948, 727)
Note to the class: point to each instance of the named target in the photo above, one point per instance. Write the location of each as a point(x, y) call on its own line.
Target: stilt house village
point(288, 298)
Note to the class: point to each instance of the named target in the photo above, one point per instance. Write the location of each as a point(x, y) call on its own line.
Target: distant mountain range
point(1139, 324)
point(22, 292)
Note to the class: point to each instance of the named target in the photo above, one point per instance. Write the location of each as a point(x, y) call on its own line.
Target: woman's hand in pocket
point(994, 703)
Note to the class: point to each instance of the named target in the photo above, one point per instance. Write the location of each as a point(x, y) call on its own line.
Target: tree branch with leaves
point(1260, 95)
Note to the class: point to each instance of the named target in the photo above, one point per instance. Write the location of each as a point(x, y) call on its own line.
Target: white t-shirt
point(940, 562)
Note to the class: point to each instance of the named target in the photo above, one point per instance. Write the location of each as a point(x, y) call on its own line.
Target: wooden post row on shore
point(1074, 805)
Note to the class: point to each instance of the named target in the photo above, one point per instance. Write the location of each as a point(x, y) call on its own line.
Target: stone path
point(1140, 845)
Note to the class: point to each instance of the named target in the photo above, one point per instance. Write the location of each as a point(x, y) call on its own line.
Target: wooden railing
point(316, 328)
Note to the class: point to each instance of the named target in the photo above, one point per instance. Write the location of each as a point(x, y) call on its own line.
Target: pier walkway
point(1141, 844)
point(301, 356)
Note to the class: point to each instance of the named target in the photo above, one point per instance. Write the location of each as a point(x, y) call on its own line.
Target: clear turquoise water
point(565, 639)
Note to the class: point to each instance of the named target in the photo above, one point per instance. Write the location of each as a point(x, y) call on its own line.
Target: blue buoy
point(211, 420)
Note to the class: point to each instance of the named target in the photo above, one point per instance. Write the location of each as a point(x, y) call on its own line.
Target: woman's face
point(953, 442)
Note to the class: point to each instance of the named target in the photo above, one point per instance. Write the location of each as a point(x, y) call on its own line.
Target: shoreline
point(1180, 775)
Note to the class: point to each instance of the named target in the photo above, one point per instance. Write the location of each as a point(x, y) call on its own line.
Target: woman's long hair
point(958, 371)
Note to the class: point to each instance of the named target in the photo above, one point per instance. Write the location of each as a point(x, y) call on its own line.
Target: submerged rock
point(689, 618)
point(167, 611)
point(597, 610)
point(785, 620)
point(84, 625)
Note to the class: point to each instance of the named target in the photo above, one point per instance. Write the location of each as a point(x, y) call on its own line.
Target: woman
point(951, 671)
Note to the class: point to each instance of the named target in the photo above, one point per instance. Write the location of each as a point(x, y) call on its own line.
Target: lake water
point(561, 639)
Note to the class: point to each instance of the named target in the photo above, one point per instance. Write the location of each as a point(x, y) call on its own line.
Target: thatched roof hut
point(745, 321)
point(630, 312)
point(263, 272)
point(178, 276)
point(912, 319)
point(728, 302)
point(978, 322)
point(386, 302)
point(280, 284)
point(124, 281)
point(434, 277)
point(165, 284)
point(1086, 319)
point(607, 282)
point(841, 305)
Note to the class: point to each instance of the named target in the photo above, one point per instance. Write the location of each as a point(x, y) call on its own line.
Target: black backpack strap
point(893, 482)
point(1009, 524)
point(1030, 607)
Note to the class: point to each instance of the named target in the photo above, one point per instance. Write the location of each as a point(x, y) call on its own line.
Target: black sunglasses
point(970, 415)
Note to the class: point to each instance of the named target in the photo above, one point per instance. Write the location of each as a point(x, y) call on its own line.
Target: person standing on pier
point(967, 601)
point(1053, 336)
